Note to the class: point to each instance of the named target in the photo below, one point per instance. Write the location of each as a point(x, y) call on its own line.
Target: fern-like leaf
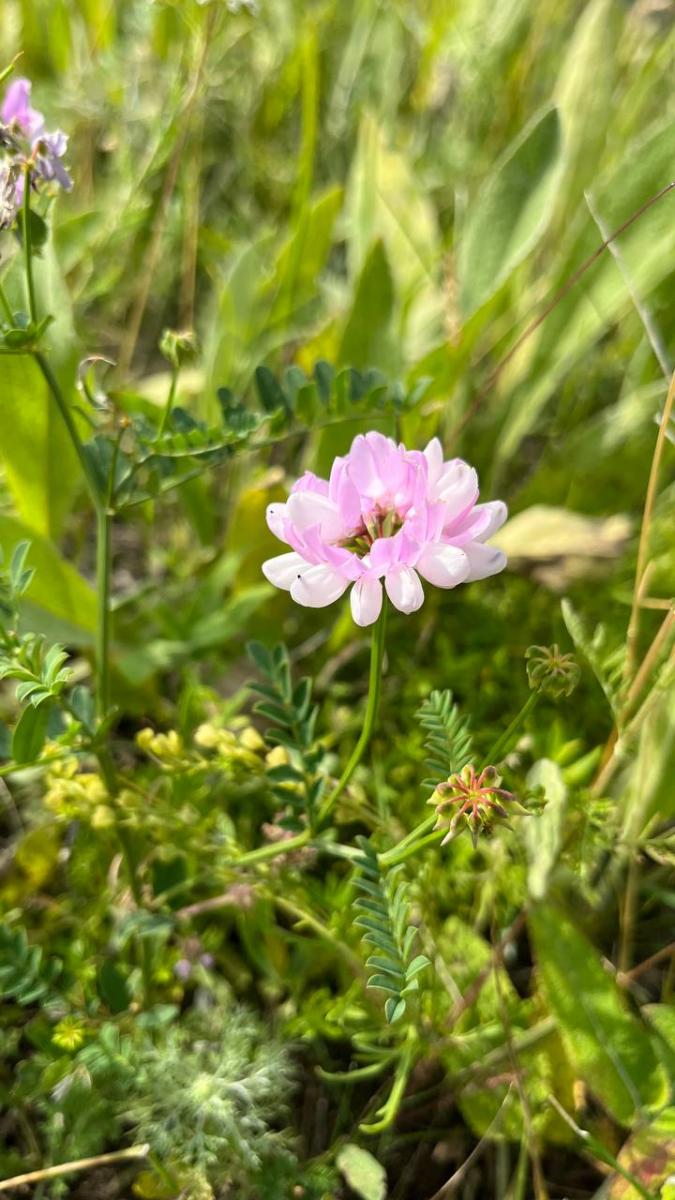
point(447, 740)
point(25, 975)
point(292, 716)
point(382, 913)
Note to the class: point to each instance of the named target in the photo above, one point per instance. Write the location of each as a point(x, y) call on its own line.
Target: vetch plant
point(386, 513)
point(31, 155)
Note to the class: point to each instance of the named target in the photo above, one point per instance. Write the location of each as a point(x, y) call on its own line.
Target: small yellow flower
point(69, 1033)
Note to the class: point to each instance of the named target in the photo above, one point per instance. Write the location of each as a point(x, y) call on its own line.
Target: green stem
point(408, 844)
point(6, 306)
point(28, 250)
point(387, 1113)
point(103, 566)
point(272, 850)
point(372, 706)
point(69, 422)
point(125, 839)
point(169, 400)
point(498, 750)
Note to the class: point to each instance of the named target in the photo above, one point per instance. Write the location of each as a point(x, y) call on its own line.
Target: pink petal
point(497, 512)
point(309, 482)
point(404, 589)
point(366, 601)
point(344, 494)
point(318, 586)
point(284, 569)
point(306, 509)
point(483, 561)
point(444, 566)
point(457, 488)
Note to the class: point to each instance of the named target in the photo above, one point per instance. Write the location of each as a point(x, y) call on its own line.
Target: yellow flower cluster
point(73, 794)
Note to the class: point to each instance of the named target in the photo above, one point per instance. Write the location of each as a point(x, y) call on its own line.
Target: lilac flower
point(48, 150)
point(27, 146)
point(17, 113)
point(386, 514)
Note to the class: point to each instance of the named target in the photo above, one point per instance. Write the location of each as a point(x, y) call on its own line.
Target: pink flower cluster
point(386, 514)
point(26, 143)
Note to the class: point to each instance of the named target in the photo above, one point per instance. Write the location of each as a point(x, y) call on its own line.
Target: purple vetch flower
point(16, 111)
point(26, 145)
point(48, 150)
point(389, 515)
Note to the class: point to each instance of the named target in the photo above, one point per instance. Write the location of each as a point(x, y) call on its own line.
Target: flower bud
point(551, 672)
point(178, 347)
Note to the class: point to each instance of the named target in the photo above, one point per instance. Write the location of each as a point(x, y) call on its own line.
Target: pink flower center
point(379, 523)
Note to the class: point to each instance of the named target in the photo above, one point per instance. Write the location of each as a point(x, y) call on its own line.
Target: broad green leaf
point(510, 212)
point(609, 1047)
point(40, 463)
point(30, 734)
point(364, 1174)
point(583, 91)
point(649, 1155)
point(367, 341)
point(56, 588)
point(38, 459)
point(649, 790)
point(543, 834)
point(647, 250)
point(113, 987)
point(384, 200)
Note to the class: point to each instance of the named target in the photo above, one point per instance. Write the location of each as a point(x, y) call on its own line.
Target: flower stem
point(28, 250)
point(272, 850)
point(372, 706)
point(104, 516)
point(67, 417)
point(499, 748)
point(103, 567)
point(411, 843)
point(6, 307)
point(169, 400)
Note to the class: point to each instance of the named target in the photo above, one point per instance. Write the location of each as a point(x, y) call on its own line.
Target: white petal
point(444, 566)
point(276, 514)
point(457, 487)
point(306, 509)
point(318, 586)
point(404, 589)
point(483, 561)
point(366, 601)
point(433, 452)
point(498, 514)
point(284, 569)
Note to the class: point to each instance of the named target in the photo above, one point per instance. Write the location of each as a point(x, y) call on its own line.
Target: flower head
point(26, 146)
point(389, 515)
point(478, 800)
point(550, 671)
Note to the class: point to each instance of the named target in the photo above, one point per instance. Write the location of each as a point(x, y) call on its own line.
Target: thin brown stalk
point(651, 659)
point(628, 911)
point(460, 1174)
point(540, 1188)
point(475, 988)
point(608, 769)
point(80, 1164)
point(643, 545)
point(626, 977)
